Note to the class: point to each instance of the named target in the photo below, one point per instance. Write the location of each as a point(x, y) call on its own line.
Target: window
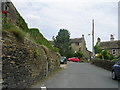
point(114, 52)
point(118, 62)
point(77, 43)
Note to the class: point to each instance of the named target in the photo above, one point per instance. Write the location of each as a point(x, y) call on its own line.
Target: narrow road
point(81, 75)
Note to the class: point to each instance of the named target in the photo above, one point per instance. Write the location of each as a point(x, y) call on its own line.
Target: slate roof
point(110, 44)
point(74, 40)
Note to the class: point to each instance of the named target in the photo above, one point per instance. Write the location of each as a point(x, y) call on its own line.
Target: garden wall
point(106, 64)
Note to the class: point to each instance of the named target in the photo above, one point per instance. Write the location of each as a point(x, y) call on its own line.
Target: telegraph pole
point(93, 38)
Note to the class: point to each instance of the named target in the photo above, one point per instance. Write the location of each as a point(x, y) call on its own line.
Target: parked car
point(116, 70)
point(63, 60)
point(74, 59)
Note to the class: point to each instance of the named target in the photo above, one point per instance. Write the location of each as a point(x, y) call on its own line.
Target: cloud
point(75, 15)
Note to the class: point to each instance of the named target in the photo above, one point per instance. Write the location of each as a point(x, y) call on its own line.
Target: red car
point(74, 59)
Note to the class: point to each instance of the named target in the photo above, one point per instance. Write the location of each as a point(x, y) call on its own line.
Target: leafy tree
point(79, 54)
point(102, 54)
point(106, 55)
point(62, 41)
point(69, 53)
point(97, 48)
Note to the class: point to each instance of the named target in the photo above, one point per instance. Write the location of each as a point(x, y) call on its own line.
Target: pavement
point(80, 75)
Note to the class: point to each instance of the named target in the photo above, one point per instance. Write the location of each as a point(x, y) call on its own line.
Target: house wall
point(75, 47)
point(117, 52)
point(82, 47)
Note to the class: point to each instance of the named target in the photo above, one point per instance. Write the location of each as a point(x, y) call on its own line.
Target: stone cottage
point(79, 44)
point(113, 46)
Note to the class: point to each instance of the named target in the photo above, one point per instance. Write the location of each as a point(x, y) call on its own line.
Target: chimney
point(82, 35)
point(111, 37)
point(98, 40)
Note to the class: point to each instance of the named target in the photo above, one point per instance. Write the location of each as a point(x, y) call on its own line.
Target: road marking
point(43, 87)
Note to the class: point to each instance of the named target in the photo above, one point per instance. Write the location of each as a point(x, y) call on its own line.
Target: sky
point(49, 16)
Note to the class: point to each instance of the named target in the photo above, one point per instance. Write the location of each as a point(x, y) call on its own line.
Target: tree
point(69, 53)
point(62, 41)
point(102, 54)
point(106, 55)
point(79, 54)
point(97, 49)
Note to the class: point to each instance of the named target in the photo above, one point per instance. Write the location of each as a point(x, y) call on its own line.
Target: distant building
point(79, 44)
point(113, 46)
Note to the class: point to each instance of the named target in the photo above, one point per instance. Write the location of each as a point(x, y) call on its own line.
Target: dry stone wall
point(25, 62)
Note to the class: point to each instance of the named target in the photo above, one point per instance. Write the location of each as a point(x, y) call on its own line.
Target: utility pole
point(93, 38)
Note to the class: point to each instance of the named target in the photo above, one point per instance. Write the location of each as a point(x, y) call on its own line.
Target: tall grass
point(18, 33)
point(39, 38)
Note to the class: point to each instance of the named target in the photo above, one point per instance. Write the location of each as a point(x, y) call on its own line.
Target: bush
point(36, 53)
point(69, 53)
point(19, 34)
point(38, 38)
point(99, 56)
point(106, 55)
point(79, 54)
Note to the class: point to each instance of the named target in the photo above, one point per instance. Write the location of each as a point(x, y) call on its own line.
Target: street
point(80, 75)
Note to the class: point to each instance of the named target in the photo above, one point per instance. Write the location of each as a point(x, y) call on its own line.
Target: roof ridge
point(76, 38)
point(111, 41)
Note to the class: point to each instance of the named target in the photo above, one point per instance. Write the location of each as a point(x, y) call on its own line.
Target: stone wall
point(25, 62)
point(106, 64)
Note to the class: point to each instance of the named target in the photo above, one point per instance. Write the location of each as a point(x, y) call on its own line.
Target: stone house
point(113, 46)
point(79, 44)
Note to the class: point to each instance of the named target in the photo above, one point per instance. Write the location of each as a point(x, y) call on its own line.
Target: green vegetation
point(79, 54)
point(84, 61)
point(36, 53)
point(97, 48)
point(62, 41)
point(69, 53)
point(19, 34)
point(21, 23)
point(38, 38)
point(102, 54)
point(21, 29)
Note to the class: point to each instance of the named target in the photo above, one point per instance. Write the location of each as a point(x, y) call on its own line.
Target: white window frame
point(114, 52)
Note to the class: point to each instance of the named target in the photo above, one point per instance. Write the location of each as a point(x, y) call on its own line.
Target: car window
point(118, 62)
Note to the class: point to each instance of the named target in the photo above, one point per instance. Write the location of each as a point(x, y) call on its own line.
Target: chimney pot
point(111, 37)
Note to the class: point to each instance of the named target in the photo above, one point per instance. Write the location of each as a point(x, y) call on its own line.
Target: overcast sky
point(74, 15)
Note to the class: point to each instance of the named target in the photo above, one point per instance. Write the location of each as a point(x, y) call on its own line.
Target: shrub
point(69, 53)
point(36, 53)
point(19, 34)
point(39, 38)
point(79, 54)
point(99, 56)
point(106, 55)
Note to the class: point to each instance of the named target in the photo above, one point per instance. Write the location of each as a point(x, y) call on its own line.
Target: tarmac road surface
point(81, 75)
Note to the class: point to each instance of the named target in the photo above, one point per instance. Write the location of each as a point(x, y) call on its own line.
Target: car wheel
point(114, 77)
